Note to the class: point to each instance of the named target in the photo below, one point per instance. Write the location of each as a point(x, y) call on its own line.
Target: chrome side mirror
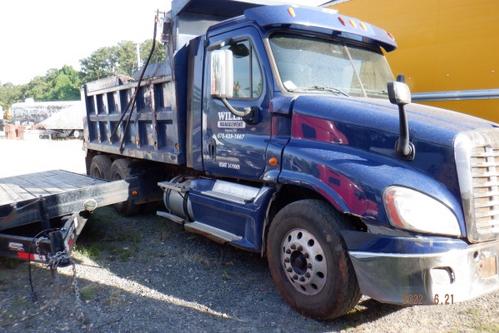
point(222, 84)
point(222, 74)
point(399, 93)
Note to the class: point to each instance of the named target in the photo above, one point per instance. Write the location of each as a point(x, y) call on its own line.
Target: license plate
point(487, 267)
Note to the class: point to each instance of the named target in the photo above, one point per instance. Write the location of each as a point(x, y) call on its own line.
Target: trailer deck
point(42, 214)
point(61, 192)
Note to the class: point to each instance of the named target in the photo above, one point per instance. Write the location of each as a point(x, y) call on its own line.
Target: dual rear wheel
point(102, 167)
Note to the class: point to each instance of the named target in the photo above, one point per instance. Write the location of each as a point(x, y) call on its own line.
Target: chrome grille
point(477, 162)
point(485, 175)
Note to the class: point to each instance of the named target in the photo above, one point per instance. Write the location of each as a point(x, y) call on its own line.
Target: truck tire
point(123, 169)
point(100, 167)
point(309, 262)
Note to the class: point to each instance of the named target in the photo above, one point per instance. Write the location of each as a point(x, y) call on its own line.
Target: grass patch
point(110, 250)
point(124, 235)
point(88, 292)
point(91, 251)
point(9, 263)
point(99, 223)
point(478, 322)
point(487, 327)
point(122, 253)
point(107, 233)
point(115, 298)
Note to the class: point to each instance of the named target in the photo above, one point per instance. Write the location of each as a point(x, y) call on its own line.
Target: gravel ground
point(147, 274)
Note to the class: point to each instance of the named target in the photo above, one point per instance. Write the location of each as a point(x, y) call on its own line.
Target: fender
point(353, 180)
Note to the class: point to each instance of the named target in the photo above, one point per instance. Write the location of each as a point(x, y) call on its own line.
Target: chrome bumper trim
point(412, 279)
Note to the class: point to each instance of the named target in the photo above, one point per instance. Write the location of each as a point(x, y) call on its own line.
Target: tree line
point(64, 84)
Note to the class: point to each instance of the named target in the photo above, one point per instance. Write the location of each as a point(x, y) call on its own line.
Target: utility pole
point(139, 61)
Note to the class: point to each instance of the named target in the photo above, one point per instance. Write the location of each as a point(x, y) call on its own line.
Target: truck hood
point(372, 125)
point(376, 116)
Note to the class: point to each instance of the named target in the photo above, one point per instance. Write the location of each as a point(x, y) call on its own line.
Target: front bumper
point(437, 278)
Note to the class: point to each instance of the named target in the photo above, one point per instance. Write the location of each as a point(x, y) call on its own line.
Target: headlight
point(415, 211)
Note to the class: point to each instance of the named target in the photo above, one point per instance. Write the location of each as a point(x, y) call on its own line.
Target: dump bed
point(156, 130)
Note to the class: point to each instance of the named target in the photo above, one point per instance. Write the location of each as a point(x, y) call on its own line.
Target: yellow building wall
point(442, 45)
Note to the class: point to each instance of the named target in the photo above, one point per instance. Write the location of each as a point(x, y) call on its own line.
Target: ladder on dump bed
point(42, 214)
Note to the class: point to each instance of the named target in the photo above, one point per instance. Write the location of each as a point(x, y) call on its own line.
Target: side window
point(248, 81)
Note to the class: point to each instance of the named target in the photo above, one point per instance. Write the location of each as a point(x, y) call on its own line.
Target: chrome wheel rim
point(304, 262)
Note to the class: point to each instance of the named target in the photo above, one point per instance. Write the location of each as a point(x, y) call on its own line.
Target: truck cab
point(281, 130)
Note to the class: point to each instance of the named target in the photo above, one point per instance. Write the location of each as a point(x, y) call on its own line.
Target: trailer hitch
point(59, 256)
point(57, 246)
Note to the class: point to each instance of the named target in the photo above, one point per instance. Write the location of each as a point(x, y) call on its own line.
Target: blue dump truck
point(281, 130)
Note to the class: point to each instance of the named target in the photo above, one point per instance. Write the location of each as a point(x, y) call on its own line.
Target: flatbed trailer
point(42, 214)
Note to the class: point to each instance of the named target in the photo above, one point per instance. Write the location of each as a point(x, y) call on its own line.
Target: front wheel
point(309, 262)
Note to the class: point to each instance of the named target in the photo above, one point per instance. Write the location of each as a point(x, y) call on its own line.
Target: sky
point(36, 35)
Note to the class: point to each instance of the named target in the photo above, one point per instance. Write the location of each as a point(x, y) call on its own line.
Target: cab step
point(171, 217)
point(213, 233)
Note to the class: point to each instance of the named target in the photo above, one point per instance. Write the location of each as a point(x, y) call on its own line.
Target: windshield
point(313, 64)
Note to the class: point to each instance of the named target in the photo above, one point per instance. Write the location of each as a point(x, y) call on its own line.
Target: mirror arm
point(219, 45)
point(236, 112)
point(404, 147)
point(249, 115)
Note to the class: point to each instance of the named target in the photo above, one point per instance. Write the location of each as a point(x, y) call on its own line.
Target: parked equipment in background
point(442, 49)
point(31, 112)
point(14, 132)
point(64, 124)
point(272, 131)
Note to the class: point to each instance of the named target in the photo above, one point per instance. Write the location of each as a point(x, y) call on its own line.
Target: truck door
point(233, 147)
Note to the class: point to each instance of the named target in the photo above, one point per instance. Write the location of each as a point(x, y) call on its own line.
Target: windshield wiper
point(379, 92)
point(333, 90)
